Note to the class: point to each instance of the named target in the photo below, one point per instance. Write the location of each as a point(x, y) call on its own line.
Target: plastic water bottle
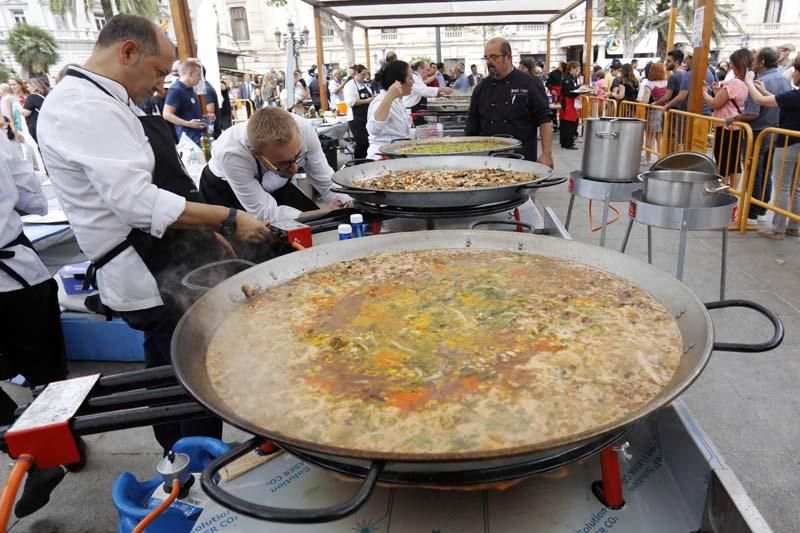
point(345, 232)
point(357, 223)
point(192, 156)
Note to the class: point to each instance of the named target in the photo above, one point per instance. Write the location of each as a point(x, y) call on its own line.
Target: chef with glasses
point(252, 164)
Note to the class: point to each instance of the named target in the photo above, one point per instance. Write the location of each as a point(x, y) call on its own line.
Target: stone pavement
point(746, 402)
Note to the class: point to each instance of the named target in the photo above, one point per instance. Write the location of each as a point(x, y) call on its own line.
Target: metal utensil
point(612, 148)
point(681, 188)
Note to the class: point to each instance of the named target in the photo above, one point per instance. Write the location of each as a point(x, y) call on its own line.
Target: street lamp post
point(292, 43)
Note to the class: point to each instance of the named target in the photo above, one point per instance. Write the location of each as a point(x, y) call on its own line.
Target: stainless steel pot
point(681, 188)
point(612, 148)
point(197, 327)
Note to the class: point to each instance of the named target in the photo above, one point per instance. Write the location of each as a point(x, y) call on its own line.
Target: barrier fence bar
point(242, 109)
point(654, 125)
point(595, 107)
point(731, 148)
point(782, 169)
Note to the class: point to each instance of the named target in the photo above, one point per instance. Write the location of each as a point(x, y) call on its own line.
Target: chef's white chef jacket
point(396, 126)
point(19, 189)
point(419, 91)
point(335, 98)
point(232, 161)
point(101, 165)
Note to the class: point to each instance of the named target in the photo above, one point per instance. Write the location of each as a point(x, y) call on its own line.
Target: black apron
point(179, 251)
point(217, 191)
point(5, 253)
point(360, 111)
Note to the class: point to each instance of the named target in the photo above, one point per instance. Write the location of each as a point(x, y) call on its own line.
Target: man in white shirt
point(336, 88)
point(474, 78)
point(31, 341)
point(387, 117)
point(418, 99)
point(135, 212)
point(252, 165)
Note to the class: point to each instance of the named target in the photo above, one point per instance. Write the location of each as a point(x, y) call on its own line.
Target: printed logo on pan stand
point(571, 185)
point(735, 213)
point(632, 210)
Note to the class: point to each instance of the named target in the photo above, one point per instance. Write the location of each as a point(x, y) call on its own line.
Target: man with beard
point(511, 102)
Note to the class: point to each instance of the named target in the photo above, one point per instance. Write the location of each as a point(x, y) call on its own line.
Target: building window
point(388, 34)
point(773, 11)
point(532, 28)
point(99, 21)
point(59, 20)
point(453, 32)
point(19, 16)
point(327, 35)
point(239, 24)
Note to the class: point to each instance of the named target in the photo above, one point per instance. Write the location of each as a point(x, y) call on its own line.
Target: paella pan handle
point(544, 182)
point(503, 135)
point(210, 482)
point(341, 189)
point(505, 222)
point(401, 139)
point(354, 162)
point(507, 155)
point(777, 337)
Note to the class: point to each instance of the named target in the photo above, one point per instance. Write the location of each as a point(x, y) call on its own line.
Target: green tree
point(632, 20)
point(6, 71)
point(33, 48)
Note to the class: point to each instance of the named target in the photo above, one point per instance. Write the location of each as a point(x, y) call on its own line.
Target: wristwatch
point(228, 227)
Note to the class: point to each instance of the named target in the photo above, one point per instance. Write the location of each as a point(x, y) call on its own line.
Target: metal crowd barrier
point(594, 107)
point(732, 149)
point(242, 109)
point(778, 191)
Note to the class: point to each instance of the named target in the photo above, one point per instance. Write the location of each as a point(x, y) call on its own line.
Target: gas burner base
point(438, 212)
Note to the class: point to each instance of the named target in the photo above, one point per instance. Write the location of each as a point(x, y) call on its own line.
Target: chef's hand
point(211, 117)
point(338, 204)
point(396, 90)
point(445, 90)
point(250, 229)
point(225, 245)
point(197, 124)
point(546, 159)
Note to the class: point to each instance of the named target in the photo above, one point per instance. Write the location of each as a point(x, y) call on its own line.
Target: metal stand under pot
point(602, 190)
point(717, 212)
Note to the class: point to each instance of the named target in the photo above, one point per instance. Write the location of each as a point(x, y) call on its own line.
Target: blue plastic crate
point(93, 338)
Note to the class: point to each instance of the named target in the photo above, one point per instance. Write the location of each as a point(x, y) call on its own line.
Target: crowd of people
point(755, 87)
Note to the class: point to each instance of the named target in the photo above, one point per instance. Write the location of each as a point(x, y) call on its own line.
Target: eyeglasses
point(282, 166)
point(493, 57)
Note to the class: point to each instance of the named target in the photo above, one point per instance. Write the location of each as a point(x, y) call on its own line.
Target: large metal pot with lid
point(682, 188)
point(613, 148)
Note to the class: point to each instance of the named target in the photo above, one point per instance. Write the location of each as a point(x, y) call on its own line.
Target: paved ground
point(746, 403)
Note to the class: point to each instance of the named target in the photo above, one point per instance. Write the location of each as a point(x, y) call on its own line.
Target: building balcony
point(243, 45)
point(388, 37)
point(453, 34)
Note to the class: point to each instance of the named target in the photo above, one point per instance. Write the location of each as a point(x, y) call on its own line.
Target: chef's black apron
point(503, 109)
point(168, 259)
point(31, 340)
point(358, 126)
point(217, 191)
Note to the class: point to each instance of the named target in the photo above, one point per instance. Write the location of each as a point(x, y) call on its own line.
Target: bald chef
point(133, 208)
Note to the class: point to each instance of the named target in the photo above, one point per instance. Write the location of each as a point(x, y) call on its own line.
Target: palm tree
point(147, 8)
point(723, 14)
point(33, 48)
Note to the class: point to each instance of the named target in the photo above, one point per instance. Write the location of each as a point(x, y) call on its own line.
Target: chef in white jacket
point(31, 342)
point(252, 165)
point(418, 98)
point(388, 119)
